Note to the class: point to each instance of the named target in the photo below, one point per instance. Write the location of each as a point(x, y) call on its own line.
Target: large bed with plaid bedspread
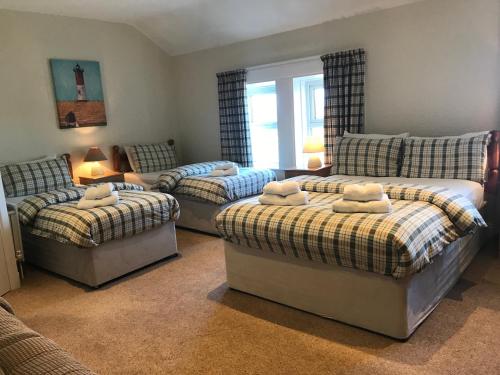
point(54, 215)
point(424, 220)
point(382, 272)
point(94, 246)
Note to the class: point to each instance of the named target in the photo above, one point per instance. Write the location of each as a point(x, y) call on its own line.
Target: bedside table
point(108, 177)
point(323, 171)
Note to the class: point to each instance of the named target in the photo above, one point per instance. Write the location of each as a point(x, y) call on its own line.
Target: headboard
point(120, 159)
point(121, 163)
point(491, 186)
point(70, 165)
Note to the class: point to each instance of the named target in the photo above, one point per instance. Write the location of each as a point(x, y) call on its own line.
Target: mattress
point(144, 179)
point(55, 215)
point(471, 190)
point(194, 180)
point(422, 222)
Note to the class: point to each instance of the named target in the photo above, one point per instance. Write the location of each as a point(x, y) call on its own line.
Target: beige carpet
point(179, 317)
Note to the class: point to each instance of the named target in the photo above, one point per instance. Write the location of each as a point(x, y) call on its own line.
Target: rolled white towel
point(364, 193)
point(282, 188)
point(99, 192)
point(225, 166)
point(226, 172)
point(85, 204)
point(383, 206)
point(297, 199)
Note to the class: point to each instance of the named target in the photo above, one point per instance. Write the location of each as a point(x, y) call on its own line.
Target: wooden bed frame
point(195, 214)
point(382, 304)
point(491, 187)
point(98, 265)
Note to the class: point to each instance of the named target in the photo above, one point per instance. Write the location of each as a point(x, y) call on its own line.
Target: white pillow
point(375, 136)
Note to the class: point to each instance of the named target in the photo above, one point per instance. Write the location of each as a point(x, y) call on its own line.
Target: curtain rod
point(302, 59)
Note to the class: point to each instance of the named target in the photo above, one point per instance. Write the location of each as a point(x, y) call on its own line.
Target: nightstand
point(323, 171)
point(108, 177)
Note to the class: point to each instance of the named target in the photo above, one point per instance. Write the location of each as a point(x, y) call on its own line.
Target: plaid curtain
point(234, 128)
point(344, 78)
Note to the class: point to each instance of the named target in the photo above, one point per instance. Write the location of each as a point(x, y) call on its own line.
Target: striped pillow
point(367, 157)
point(35, 177)
point(152, 157)
point(462, 158)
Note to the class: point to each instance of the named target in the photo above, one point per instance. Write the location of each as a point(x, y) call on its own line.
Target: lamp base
point(314, 162)
point(96, 170)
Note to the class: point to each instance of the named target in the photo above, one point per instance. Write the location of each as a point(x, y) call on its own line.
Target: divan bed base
point(198, 215)
point(382, 304)
point(98, 265)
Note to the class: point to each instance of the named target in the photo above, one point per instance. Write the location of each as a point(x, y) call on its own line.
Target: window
point(309, 99)
point(263, 119)
point(285, 105)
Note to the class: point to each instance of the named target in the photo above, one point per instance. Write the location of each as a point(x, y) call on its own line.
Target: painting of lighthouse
point(78, 92)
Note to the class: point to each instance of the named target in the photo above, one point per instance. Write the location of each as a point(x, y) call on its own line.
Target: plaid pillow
point(35, 177)
point(462, 158)
point(153, 157)
point(367, 156)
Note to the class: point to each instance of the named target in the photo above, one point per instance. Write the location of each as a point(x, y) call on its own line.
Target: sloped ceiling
point(183, 26)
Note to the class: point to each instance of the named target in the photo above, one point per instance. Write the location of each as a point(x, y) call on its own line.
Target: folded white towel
point(226, 166)
point(225, 172)
point(363, 193)
point(85, 204)
point(282, 188)
point(99, 192)
point(297, 199)
point(374, 207)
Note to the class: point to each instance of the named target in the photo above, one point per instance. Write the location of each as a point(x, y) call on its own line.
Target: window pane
point(309, 111)
point(319, 103)
point(263, 117)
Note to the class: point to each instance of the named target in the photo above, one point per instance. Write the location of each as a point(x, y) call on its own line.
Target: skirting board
point(393, 307)
point(98, 265)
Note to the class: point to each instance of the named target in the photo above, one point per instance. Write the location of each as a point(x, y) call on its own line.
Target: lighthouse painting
point(78, 92)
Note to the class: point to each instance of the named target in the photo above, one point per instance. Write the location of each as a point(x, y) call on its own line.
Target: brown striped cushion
point(152, 157)
point(367, 157)
point(35, 177)
point(462, 158)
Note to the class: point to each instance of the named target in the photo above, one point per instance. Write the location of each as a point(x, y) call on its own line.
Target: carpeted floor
point(179, 317)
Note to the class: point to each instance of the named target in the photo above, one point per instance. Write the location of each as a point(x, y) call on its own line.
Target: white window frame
point(283, 73)
point(270, 165)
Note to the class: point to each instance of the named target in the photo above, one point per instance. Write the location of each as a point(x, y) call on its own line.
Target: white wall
point(432, 69)
point(137, 84)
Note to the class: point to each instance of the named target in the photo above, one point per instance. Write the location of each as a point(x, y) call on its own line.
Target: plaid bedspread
point(424, 220)
point(54, 215)
point(193, 180)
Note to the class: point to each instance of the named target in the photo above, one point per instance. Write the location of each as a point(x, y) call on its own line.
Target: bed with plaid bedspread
point(54, 215)
point(193, 180)
point(424, 220)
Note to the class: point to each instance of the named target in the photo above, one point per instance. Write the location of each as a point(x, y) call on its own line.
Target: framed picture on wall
point(78, 92)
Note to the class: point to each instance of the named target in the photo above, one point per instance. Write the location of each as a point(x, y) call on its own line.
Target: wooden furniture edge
point(70, 165)
point(492, 183)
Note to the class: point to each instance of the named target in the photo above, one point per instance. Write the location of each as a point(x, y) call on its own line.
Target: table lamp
point(94, 156)
point(314, 145)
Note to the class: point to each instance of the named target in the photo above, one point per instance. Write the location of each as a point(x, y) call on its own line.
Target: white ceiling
point(183, 26)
